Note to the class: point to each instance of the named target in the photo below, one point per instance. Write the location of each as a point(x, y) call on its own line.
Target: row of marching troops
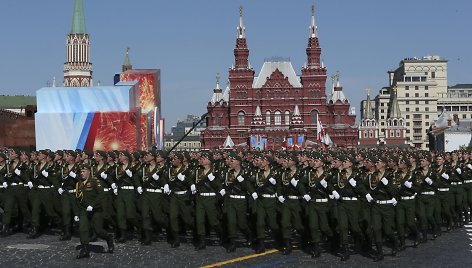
point(335, 198)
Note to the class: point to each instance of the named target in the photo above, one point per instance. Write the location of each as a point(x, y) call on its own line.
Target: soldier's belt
point(237, 196)
point(294, 197)
point(207, 194)
point(16, 184)
point(1, 187)
point(408, 197)
point(350, 198)
point(428, 193)
point(71, 191)
point(127, 187)
point(456, 183)
point(383, 202)
point(268, 195)
point(154, 190)
point(467, 181)
point(180, 192)
point(443, 189)
point(44, 187)
point(321, 200)
point(106, 189)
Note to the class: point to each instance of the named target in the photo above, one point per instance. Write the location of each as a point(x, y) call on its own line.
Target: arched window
point(268, 118)
point(287, 118)
point(241, 118)
point(398, 133)
point(278, 118)
point(365, 134)
point(314, 116)
point(371, 134)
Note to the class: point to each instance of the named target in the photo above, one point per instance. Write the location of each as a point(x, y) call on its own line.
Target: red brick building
point(278, 103)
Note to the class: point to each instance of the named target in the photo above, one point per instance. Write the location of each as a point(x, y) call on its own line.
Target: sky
point(193, 40)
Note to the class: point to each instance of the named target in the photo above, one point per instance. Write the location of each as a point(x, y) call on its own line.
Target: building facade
point(277, 103)
point(192, 141)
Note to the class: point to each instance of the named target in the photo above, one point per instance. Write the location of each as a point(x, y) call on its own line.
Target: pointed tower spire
point(241, 28)
point(241, 52)
point(226, 93)
point(337, 92)
point(127, 63)
point(217, 96)
point(368, 107)
point(313, 27)
point(297, 121)
point(258, 121)
point(78, 18)
point(394, 106)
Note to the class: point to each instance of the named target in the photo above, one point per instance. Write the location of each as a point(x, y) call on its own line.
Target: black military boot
point(34, 233)
point(249, 238)
point(201, 244)
point(147, 238)
point(219, 234)
point(110, 244)
point(175, 243)
point(379, 254)
point(260, 246)
point(401, 245)
point(123, 237)
point(231, 246)
point(315, 250)
point(424, 237)
point(84, 252)
point(344, 252)
point(66, 235)
point(395, 247)
point(287, 248)
point(6, 230)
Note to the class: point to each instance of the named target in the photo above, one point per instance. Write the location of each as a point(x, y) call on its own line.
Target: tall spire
point(368, 107)
point(241, 28)
point(78, 18)
point(127, 63)
point(258, 121)
point(394, 106)
point(313, 27)
point(217, 96)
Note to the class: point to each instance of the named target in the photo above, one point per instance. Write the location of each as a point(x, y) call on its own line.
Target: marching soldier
point(89, 194)
point(105, 173)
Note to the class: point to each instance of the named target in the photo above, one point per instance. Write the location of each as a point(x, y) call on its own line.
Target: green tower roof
point(78, 18)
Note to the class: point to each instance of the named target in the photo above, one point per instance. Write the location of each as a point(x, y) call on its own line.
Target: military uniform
point(69, 175)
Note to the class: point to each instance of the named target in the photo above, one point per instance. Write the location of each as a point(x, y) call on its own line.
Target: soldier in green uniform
point(180, 206)
point(43, 180)
point(444, 197)
point(89, 194)
point(105, 173)
point(456, 188)
point(237, 189)
point(126, 183)
point(467, 185)
point(382, 195)
point(3, 171)
point(68, 175)
point(13, 180)
point(267, 182)
point(154, 181)
point(206, 188)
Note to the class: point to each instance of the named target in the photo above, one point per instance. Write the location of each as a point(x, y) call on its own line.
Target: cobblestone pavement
point(452, 249)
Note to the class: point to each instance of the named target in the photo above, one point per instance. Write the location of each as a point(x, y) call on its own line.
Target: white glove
point(181, 177)
point(45, 173)
point(60, 191)
point(72, 174)
point(113, 186)
point(428, 181)
point(281, 198)
point(166, 189)
point(307, 198)
point(352, 182)
point(272, 180)
point(459, 171)
point(469, 166)
point(384, 181)
point(394, 201)
point(129, 173)
point(294, 182)
point(240, 178)
point(324, 183)
point(140, 190)
point(408, 184)
point(222, 192)
point(445, 176)
point(5, 185)
point(103, 175)
point(30, 185)
point(76, 218)
point(89, 208)
point(211, 177)
point(155, 176)
point(17, 172)
point(254, 195)
point(115, 191)
point(193, 188)
point(331, 196)
point(336, 195)
point(369, 198)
